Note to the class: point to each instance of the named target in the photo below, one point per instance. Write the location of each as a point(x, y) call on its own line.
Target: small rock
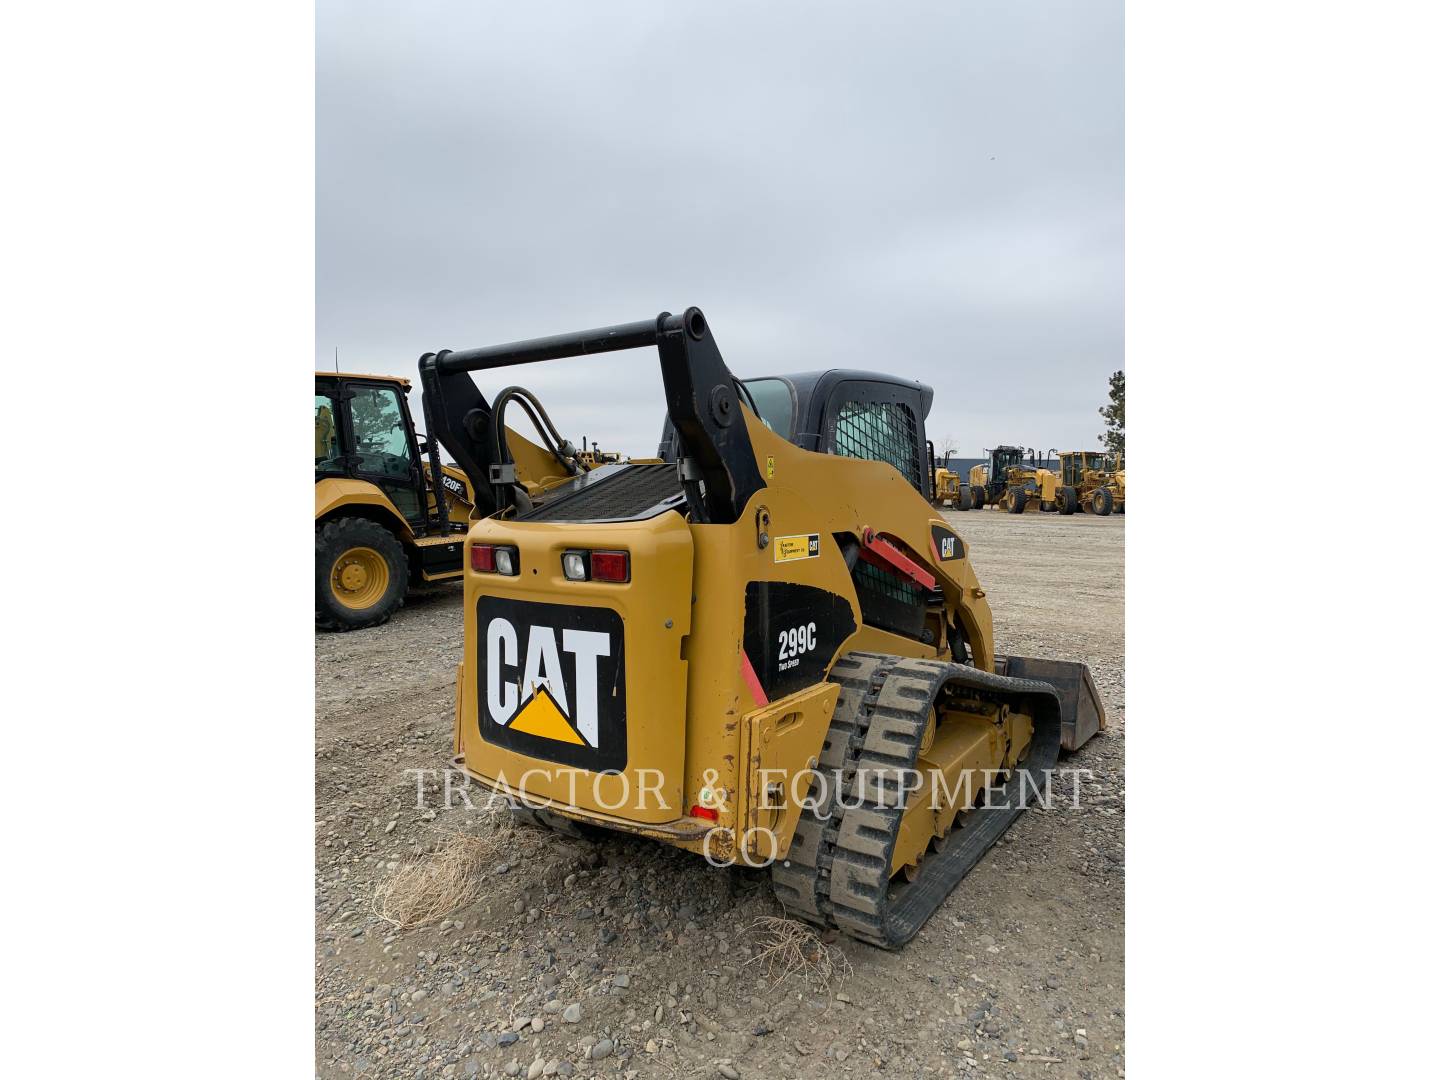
point(508, 1038)
point(419, 995)
point(601, 1050)
point(512, 1067)
point(565, 1069)
point(537, 1025)
point(727, 1071)
point(536, 1068)
point(621, 980)
point(572, 1013)
point(652, 1047)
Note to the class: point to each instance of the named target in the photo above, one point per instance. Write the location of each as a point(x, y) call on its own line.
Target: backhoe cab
point(766, 647)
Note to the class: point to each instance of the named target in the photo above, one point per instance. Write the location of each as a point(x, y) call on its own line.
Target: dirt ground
point(1020, 972)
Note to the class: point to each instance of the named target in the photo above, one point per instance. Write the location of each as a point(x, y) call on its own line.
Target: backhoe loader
point(380, 525)
point(767, 648)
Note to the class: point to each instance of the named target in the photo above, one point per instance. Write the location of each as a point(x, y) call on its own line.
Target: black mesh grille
point(889, 602)
point(879, 431)
point(631, 491)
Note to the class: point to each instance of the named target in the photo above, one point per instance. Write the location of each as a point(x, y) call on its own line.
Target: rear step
point(837, 873)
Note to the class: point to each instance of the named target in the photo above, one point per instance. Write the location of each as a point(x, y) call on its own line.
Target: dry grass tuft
point(437, 885)
point(787, 948)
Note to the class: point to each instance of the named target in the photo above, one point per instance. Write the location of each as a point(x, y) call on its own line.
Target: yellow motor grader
point(1097, 478)
point(946, 485)
point(766, 647)
point(1008, 483)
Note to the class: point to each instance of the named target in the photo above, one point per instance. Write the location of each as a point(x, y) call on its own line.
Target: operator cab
point(363, 431)
point(860, 414)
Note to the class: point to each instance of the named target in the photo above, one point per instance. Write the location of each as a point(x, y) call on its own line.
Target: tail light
point(612, 566)
point(495, 559)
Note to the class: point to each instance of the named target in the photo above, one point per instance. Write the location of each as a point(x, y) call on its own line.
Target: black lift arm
point(716, 461)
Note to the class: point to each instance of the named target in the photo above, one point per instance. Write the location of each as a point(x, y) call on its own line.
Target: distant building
point(962, 465)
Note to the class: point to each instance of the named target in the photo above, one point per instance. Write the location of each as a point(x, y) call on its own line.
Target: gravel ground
point(623, 958)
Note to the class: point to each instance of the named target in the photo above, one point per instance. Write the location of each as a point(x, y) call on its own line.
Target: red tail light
point(495, 559)
point(610, 566)
point(709, 813)
point(482, 558)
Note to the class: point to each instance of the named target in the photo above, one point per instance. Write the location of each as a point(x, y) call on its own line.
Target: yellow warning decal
point(790, 548)
point(769, 468)
point(542, 717)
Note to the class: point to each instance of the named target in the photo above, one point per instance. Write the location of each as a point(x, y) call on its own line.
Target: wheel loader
point(1097, 478)
point(1008, 483)
point(766, 648)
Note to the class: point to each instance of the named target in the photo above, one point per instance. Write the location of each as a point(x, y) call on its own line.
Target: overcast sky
point(931, 189)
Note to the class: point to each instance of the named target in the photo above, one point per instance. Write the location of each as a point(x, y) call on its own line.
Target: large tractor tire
point(1067, 500)
point(360, 574)
point(977, 498)
point(962, 501)
point(1101, 501)
point(1015, 501)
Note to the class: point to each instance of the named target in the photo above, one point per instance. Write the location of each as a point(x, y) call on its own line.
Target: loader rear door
point(878, 422)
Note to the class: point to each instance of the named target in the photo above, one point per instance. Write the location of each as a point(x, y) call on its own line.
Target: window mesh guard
point(880, 431)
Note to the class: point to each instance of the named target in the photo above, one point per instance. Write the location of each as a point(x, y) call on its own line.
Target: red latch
point(906, 566)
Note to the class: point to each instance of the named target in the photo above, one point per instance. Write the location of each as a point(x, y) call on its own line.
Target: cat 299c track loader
point(767, 647)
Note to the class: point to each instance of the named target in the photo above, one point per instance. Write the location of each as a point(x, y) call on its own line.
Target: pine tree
point(1114, 434)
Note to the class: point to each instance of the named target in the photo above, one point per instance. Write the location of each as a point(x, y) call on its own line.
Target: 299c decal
point(793, 643)
point(792, 632)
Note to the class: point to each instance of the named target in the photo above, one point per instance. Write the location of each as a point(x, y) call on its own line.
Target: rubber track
point(837, 873)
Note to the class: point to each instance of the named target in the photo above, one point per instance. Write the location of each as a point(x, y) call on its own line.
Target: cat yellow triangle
point(541, 717)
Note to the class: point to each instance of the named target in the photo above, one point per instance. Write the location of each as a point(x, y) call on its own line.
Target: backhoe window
point(327, 436)
point(381, 441)
point(879, 431)
point(382, 446)
point(777, 408)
